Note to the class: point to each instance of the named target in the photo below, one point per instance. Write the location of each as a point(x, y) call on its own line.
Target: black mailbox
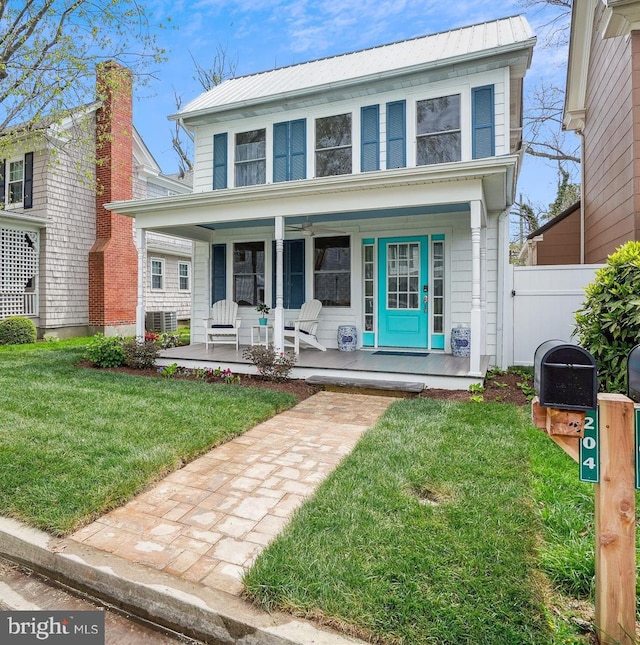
point(565, 376)
point(633, 374)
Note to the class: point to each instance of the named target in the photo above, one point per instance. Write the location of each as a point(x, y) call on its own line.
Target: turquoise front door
point(403, 295)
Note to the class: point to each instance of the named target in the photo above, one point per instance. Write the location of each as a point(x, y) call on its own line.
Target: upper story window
point(333, 145)
point(438, 130)
point(251, 152)
point(15, 184)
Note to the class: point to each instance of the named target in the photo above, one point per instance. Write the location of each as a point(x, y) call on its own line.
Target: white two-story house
point(385, 176)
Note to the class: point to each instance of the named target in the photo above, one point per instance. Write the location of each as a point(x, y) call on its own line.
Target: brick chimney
point(113, 258)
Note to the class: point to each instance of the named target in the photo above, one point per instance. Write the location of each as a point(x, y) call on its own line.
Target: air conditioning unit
point(161, 321)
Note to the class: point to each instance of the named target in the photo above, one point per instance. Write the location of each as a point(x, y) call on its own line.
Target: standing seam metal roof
point(381, 60)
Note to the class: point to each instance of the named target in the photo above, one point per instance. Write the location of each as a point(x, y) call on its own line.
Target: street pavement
point(23, 590)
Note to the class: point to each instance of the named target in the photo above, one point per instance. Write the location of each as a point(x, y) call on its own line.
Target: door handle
point(425, 302)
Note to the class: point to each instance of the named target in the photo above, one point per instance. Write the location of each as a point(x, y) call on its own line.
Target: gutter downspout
point(582, 200)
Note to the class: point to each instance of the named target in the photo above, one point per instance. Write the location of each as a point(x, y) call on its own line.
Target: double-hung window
point(184, 276)
point(248, 273)
point(251, 152)
point(333, 145)
point(438, 130)
point(157, 273)
point(15, 184)
point(332, 270)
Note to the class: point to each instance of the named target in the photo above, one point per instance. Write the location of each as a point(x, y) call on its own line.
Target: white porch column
point(476, 311)
point(278, 323)
point(483, 289)
point(141, 234)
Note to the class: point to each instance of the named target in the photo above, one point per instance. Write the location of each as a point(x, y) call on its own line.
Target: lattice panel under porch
point(18, 259)
point(19, 253)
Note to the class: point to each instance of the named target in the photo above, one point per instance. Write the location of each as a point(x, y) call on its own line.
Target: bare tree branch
point(222, 68)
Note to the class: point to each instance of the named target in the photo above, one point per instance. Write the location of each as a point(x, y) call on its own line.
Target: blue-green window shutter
point(289, 150)
point(280, 152)
point(218, 272)
point(396, 134)
point(298, 149)
point(219, 161)
point(370, 137)
point(293, 270)
point(483, 119)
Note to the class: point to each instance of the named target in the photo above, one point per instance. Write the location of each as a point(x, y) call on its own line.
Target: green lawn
point(76, 442)
point(444, 526)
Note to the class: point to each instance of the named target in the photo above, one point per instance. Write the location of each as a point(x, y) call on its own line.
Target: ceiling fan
point(308, 228)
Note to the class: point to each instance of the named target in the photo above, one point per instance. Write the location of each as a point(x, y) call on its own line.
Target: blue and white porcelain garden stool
point(347, 338)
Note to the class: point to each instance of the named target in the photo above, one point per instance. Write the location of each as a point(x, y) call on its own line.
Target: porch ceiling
point(327, 218)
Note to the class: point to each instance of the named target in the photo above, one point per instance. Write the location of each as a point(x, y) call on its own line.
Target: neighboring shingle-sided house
point(378, 182)
point(65, 261)
point(602, 105)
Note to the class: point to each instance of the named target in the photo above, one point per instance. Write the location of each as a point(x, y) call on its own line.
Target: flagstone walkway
point(209, 521)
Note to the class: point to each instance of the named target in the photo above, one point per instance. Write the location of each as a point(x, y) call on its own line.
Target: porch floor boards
point(436, 370)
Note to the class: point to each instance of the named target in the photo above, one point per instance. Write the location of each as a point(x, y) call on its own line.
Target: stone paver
point(209, 521)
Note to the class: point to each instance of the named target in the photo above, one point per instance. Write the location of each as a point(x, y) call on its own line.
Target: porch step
point(364, 385)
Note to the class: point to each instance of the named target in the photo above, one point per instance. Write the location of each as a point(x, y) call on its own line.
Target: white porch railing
point(18, 304)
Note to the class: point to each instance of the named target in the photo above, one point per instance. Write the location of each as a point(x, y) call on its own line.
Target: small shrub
point(167, 371)
point(106, 351)
point(272, 365)
point(608, 324)
point(140, 356)
point(169, 340)
point(17, 330)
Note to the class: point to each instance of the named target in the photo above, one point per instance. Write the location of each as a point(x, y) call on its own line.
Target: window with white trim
point(15, 182)
point(333, 145)
point(184, 276)
point(438, 130)
point(437, 283)
point(248, 273)
point(332, 270)
point(157, 273)
point(251, 158)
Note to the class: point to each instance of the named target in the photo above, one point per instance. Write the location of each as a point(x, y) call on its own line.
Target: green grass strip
point(77, 442)
point(426, 533)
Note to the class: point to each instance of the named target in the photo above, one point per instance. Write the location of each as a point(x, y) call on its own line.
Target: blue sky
point(262, 34)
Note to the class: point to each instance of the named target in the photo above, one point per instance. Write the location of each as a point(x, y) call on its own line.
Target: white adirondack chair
point(305, 327)
point(223, 324)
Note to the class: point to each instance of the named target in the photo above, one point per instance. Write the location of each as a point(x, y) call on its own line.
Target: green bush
point(17, 330)
point(272, 365)
point(608, 324)
point(106, 352)
point(138, 355)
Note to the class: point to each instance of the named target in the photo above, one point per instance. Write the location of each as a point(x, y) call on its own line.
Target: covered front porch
point(432, 369)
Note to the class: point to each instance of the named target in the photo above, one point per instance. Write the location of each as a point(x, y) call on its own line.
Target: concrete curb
point(200, 612)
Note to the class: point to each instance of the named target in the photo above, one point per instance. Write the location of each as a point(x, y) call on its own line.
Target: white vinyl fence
point(540, 303)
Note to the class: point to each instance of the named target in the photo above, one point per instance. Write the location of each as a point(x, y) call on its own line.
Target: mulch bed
point(501, 388)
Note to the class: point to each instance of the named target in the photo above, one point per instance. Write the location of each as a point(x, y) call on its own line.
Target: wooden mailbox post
point(615, 540)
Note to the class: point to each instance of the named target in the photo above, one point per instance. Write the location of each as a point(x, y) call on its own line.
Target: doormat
point(395, 353)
